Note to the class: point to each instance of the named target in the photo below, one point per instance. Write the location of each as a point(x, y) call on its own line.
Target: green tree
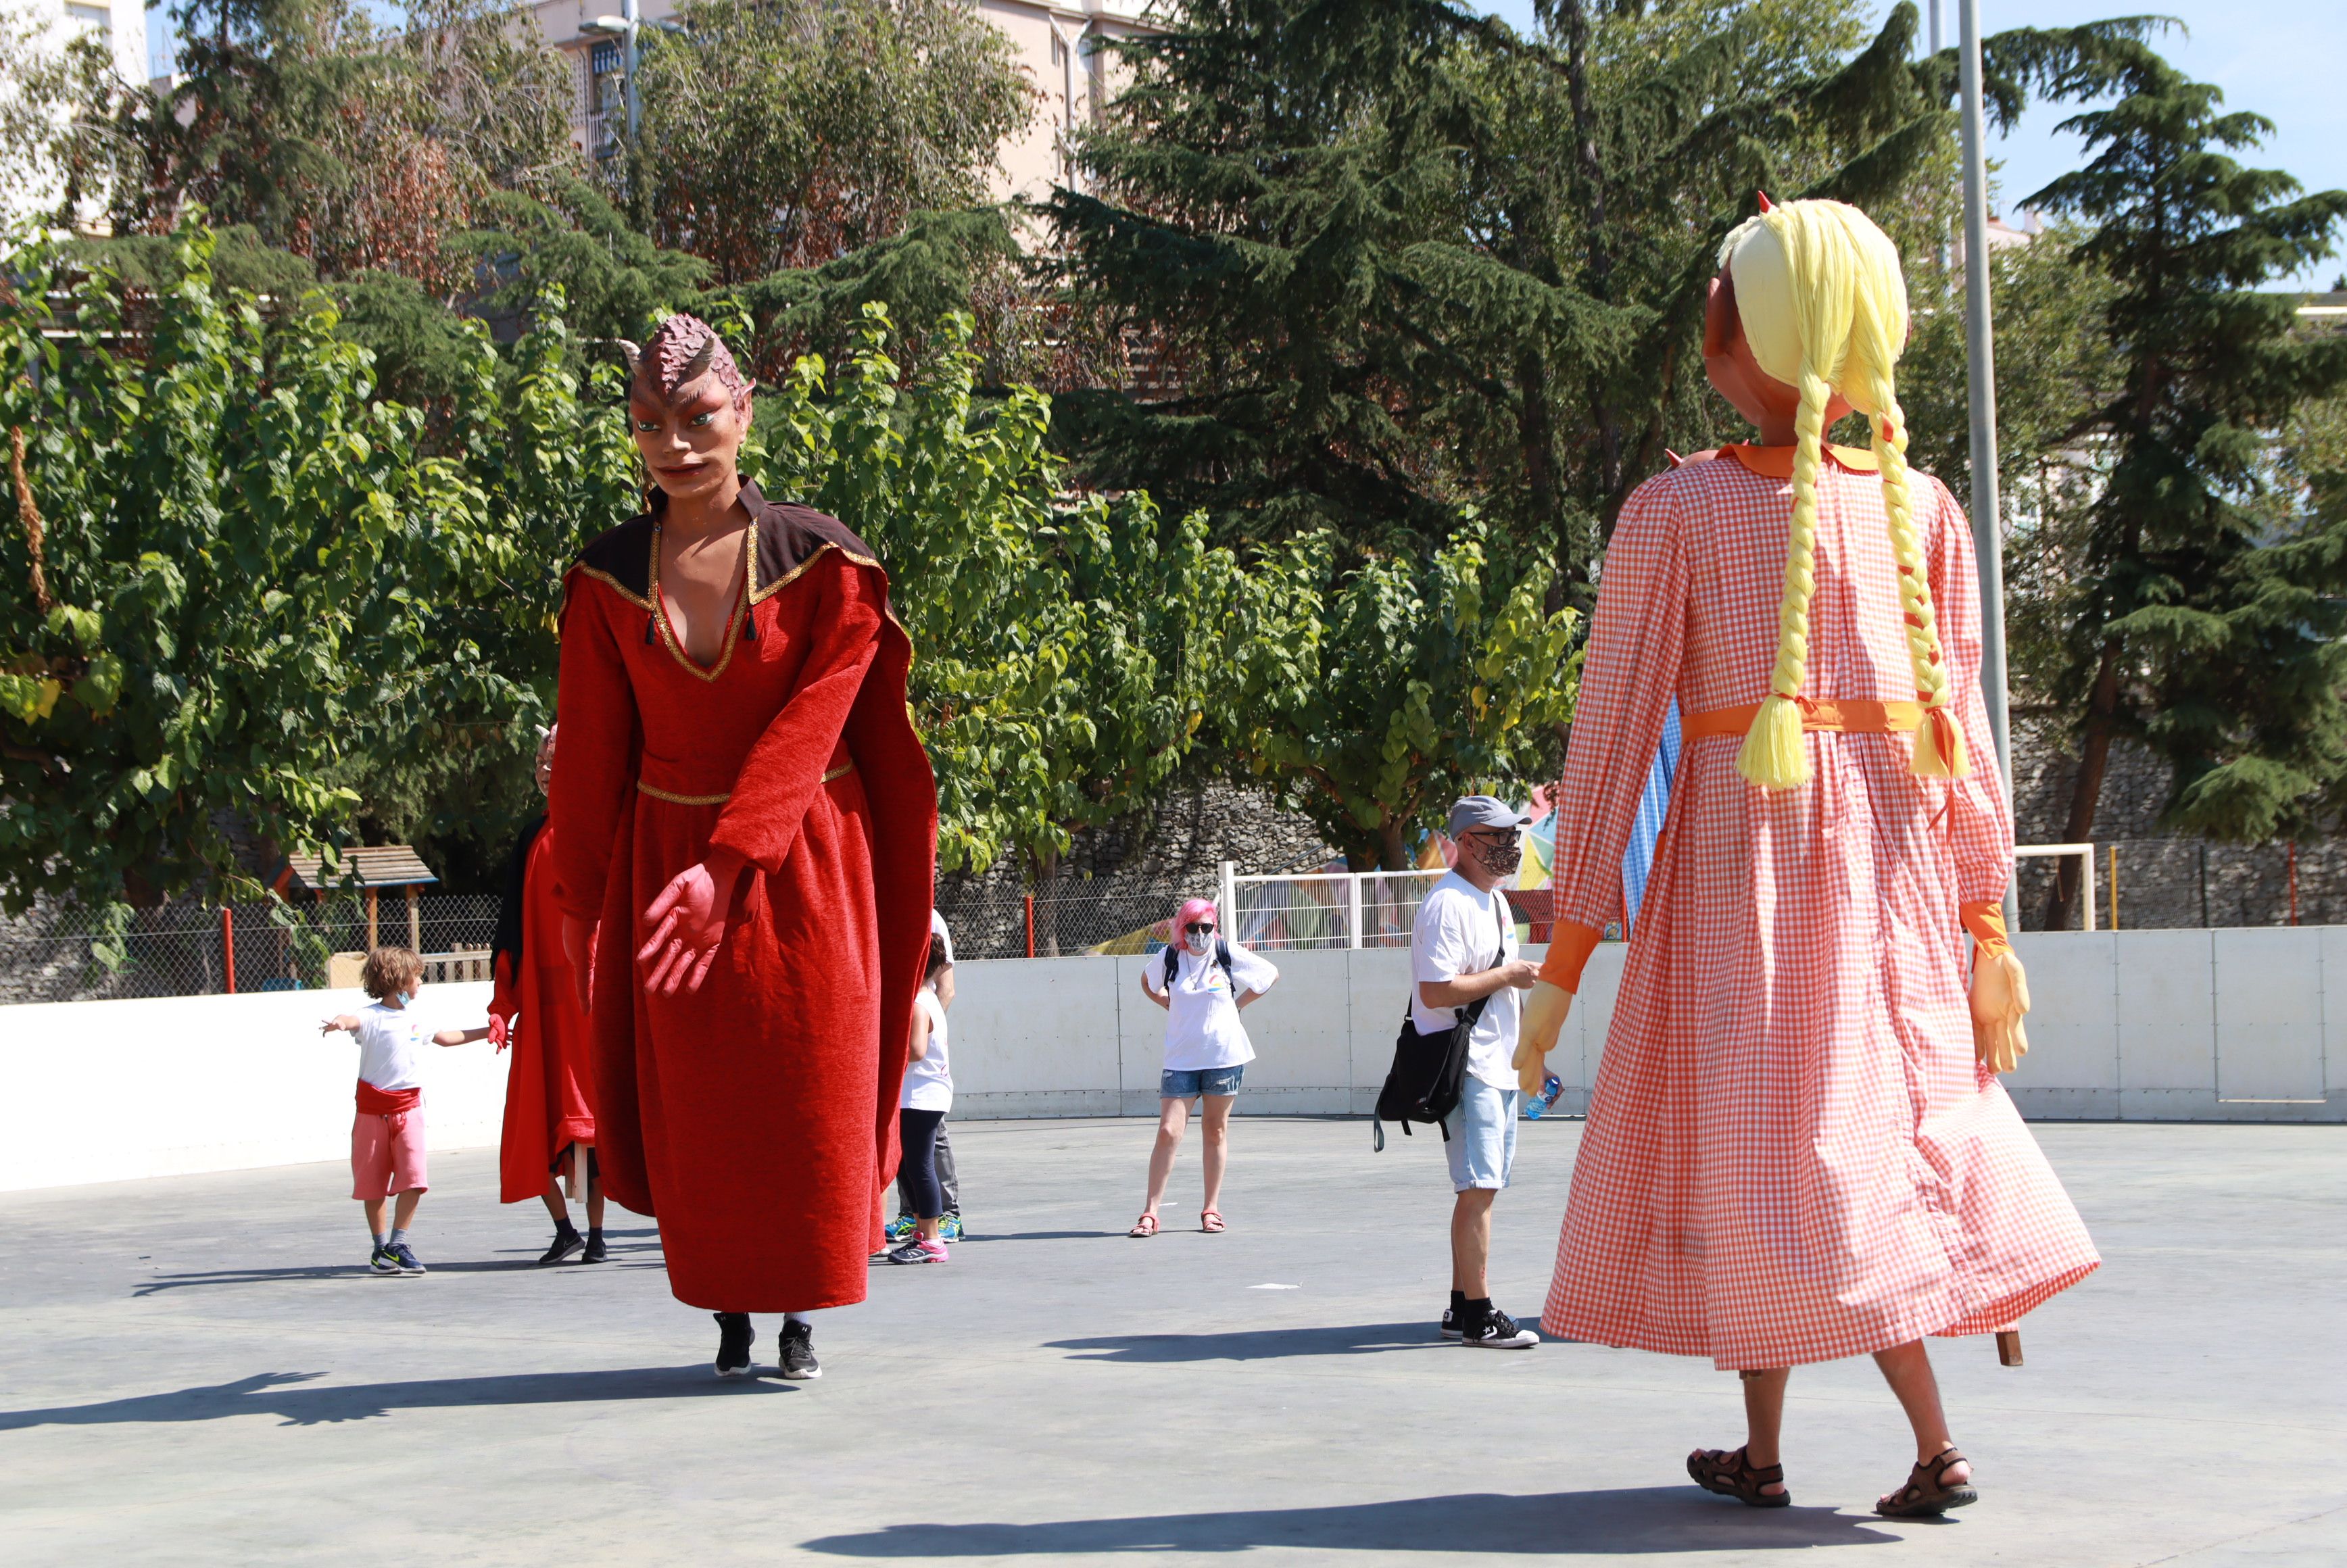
point(2208, 603)
point(783, 135)
point(208, 592)
point(1373, 698)
point(1055, 677)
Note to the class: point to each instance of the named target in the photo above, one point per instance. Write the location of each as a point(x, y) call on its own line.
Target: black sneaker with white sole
point(598, 1249)
point(383, 1262)
point(1450, 1323)
point(565, 1242)
point(734, 1338)
point(1498, 1331)
point(796, 1360)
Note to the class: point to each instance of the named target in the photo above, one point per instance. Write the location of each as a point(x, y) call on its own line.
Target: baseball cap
point(1483, 811)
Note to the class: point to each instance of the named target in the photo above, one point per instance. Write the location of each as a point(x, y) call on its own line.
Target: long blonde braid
point(1824, 307)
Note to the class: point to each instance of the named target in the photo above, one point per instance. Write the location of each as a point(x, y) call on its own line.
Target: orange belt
point(1851, 716)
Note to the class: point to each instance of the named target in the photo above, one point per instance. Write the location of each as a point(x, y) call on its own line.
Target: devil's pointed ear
point(1766, 205)
point(632, 357)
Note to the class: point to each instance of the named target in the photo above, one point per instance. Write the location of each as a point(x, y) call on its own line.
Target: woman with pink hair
point(1202, 983)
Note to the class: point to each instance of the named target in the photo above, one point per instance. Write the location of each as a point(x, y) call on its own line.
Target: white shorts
point(1482, 1148)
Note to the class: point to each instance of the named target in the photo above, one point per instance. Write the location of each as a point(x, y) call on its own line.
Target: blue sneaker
point(949, 1228)
point(404, 1257)
point(383, 1262)
point(900, 1228)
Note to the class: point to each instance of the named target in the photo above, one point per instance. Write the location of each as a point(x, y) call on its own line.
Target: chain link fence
point(66, 952)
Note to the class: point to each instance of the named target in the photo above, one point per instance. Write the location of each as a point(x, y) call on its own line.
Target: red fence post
point(1030, 924)
point(2293, 882)
point(227, 946)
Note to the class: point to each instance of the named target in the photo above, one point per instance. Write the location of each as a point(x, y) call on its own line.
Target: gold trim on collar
point(613, 583)
point(643, 788)
point(735, 617)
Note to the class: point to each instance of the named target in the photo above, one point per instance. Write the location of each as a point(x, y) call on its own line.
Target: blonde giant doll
point(1797, 1149)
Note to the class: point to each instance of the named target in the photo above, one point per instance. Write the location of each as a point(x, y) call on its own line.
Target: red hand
point(687, 922)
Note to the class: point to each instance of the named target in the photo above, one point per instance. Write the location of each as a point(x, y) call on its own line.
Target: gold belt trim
point(674, 799)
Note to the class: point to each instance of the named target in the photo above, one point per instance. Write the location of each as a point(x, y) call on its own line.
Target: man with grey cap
point(1463, 954)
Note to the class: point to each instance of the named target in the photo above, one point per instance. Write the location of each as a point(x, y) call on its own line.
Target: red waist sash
point(374, 1102)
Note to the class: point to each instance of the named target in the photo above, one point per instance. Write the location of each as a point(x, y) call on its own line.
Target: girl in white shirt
point(1201, 982)
point(927, 1095)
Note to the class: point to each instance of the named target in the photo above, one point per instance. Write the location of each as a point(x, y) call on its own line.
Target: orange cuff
point(1986, 923)
point(1569, 948)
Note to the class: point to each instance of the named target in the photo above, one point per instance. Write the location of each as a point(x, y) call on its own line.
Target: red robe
point(549, 1087)
point(756, 1117)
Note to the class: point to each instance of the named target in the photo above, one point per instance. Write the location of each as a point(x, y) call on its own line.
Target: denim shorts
point(1483, 1128)
point(1188, 1083)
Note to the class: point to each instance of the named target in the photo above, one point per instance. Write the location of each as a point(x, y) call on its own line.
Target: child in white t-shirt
point(387, 1134)
point(1201, 982)
point(926, 1096)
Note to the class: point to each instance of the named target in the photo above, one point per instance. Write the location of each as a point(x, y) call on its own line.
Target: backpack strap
point(1173, 965)
point(1223, 957)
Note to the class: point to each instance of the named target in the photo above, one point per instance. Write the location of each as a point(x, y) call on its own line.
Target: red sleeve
point(784, 770)
point(595, 752)
point(1631, 673)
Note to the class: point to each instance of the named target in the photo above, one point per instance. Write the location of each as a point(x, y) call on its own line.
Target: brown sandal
point(1146, 1225)
point(1735, 1475)
point(1926, 1493)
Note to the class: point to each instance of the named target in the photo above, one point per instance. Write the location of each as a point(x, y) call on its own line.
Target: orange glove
point(2000, 991)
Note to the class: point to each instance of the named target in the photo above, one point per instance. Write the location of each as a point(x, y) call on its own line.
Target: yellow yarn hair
point(1824, 308)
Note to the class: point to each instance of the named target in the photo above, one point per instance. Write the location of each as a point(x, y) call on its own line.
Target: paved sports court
point(200, 1372)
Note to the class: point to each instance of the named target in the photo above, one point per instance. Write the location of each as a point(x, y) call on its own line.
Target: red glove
point(503, 1007)
point(501, 1032)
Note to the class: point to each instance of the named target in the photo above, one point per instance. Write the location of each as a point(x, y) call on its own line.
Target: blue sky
point(2282, 58)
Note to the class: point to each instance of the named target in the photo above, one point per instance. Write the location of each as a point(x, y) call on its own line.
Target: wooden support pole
point(415, 921)
point(375, 939)
point(2008, 1346)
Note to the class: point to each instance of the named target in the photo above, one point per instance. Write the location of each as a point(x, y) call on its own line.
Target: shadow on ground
point(1629, 1520)
point(1258, 1344)
point(522, 1260)
point(283, 1394)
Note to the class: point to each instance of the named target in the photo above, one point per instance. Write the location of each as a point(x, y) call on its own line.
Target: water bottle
point(1538, 1106)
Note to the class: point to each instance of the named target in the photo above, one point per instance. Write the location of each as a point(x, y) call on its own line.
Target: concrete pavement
point(199, 1371)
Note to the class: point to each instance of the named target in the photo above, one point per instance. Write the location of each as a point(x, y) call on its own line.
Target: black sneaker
point(383, 1262)
point(734, 1338)
point(1498, 1331)
point(565, 1242)
point(1450, 1323)
point(597, 1250)
point(400, 1253)
point(916, 1250)
point(796, 1360)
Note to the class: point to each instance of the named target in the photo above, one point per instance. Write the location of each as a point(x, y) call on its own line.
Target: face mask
point(1200, 943)
point(1498, 859)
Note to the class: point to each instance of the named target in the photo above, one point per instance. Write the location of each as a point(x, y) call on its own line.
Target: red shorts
point(387, 1154)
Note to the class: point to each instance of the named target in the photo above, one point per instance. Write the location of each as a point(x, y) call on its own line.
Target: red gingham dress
point(1791, 1153)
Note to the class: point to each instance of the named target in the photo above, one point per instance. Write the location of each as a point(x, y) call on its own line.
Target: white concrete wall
point(110, 1092)
point(2227, 1025)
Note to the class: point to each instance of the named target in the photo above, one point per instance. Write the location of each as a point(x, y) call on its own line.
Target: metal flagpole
point(1980, 346)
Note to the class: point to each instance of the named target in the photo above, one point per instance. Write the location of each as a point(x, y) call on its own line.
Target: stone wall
point(1120, 879)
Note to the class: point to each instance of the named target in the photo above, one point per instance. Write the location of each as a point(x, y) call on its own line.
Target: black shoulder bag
point(1423, 1085)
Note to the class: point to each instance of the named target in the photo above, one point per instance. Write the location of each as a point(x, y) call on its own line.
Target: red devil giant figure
point(746, 841)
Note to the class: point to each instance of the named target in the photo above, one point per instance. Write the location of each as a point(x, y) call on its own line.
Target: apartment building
point(1057, 42)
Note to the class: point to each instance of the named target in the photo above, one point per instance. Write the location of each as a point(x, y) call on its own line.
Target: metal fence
point(68, 953)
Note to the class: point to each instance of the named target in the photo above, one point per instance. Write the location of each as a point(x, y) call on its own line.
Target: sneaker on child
point(597, 1250)
point(383, 1262)
point(949, 1228)
point(565, 1242)
point(403, 1254)
point(900, 1227)
point(920, 1249)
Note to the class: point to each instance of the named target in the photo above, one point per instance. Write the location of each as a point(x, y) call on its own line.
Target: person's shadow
point(1257, 1344)
point(1623, 1520)
point(285, 1394)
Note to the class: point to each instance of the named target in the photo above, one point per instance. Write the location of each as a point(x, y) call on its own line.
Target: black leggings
point(917, 1132)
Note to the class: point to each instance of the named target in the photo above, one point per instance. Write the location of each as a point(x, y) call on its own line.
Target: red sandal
point(1146, 1225)
point(1211, 1221)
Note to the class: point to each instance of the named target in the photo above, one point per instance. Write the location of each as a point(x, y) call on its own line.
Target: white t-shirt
point(928, 1083)
point(1202, 1015)
point(390, 1040)
point(1456, 933)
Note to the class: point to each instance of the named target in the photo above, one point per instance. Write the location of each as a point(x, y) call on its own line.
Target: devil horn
point(1766, 205)
point(633, 356)
point(699, 362)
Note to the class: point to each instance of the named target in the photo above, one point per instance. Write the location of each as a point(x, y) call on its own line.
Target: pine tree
point(2209, 596)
